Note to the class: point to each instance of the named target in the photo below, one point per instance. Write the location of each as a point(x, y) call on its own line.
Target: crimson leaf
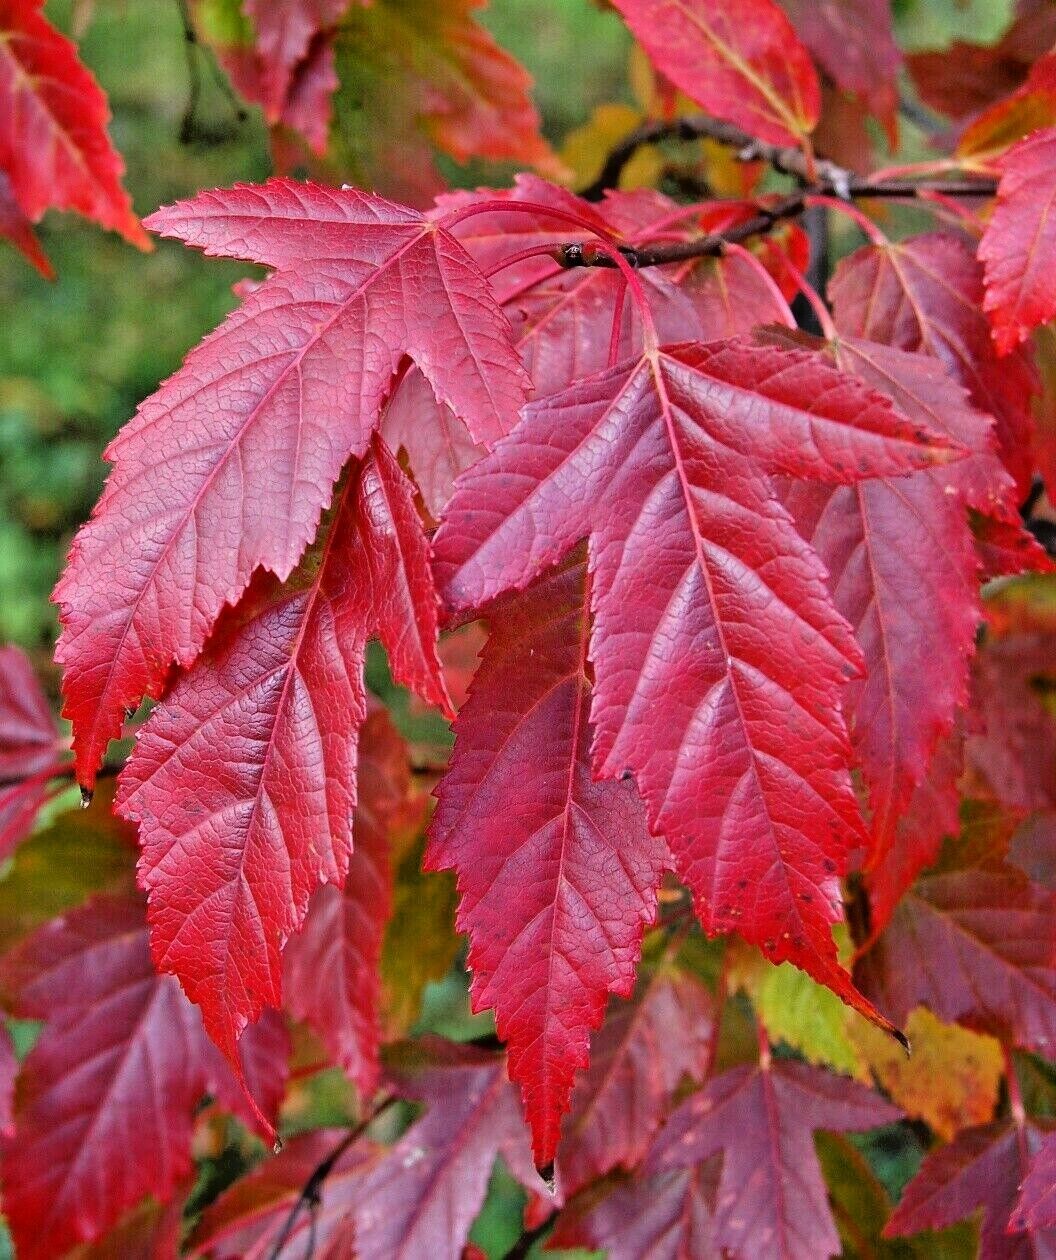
point(254, 429)
point(981, 1168)
point(903, 569)
point(244, 780)
point(718, 654)
point(926, 294)
point(745, 64)
point(54, 148)
point(558, 875)
point(1018, 247)
point(771, 1198)
point(107, 1094)
point(330, 969)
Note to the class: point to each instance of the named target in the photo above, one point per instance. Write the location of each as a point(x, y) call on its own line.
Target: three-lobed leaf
point(107, 1094)
point(557, 874)
point(243, 781)
point(718, 654)
point(255, 427)
point(771, 1197)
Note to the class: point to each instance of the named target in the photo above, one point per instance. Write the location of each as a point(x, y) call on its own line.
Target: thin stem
point(814, 300)
point(311, 1192)
point(848, 208)
point(732, 248)
point(955, 210)
point(536, 251)
point(617, 324)
point(497, 206)
point(621, 259)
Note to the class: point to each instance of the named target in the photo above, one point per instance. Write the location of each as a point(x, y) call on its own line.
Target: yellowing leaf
point(951, 1078)
point(82, 852)
point(797, 1010)
point(586, 148)
point(420, 943)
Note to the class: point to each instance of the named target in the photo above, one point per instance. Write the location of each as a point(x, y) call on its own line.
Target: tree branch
point(825, 179)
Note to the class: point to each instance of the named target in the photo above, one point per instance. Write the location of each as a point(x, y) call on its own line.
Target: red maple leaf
point(416, 1198)
point(771, 1198)
point(926, 294)
point(330, 969)
point(1018, 248)
point(558, 875)
point(265, 727)
point(745, 64)
point(107, 1094)
point(982, 1167)
point(904, 572)
point(54, 148)
point(254, 429)
point(642, 1053)
point(718, 654)
point(975, 943)
point(668, 1216)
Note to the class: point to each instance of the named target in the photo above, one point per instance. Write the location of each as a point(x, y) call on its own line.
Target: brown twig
point(829, 180)
point(310, 1197)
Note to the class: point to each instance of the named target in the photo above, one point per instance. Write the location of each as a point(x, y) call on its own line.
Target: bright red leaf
point(664, 1217)
point(718, 654)
point(903, 571)
point(981, 1168)
point(558, 875)
point(1036, 1208)
point(253, 430)
point(54, 148)
point(926, 294)
point(265, 728)
point(330, 969)
point(745, 63)
point(1018, 248)
point(771, 1198)
point(975, 944)
point(645, 1049)
point(107, 1094)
